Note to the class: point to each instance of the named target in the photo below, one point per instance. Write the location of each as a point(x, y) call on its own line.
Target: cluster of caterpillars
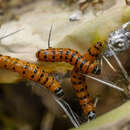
point(82, 63)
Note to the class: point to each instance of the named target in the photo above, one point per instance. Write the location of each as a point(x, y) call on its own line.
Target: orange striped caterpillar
point(32, 72)
point(80, 87)
point(70, 56)
point(79, 84)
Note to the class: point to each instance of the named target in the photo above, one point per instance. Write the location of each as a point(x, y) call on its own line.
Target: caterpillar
point(70, 56)
point(80, 87)
point(31, 71)
point(79, 84)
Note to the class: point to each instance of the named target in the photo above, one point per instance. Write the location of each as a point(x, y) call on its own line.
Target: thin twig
point(105, 82)
point(65, 106)
point(101, 62)
point(110, 65)
point(10, 34)
point(49, 38)
point(120, 65)
point(96, 101)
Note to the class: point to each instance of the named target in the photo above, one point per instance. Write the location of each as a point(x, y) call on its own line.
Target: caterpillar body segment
point(94, 51)
point(80, 87)
point(32, 72)
point(70, 56)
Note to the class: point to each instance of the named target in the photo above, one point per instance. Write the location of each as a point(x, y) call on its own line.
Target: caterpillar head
point(96, 70)
point(59, 92)
point(91, 115)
